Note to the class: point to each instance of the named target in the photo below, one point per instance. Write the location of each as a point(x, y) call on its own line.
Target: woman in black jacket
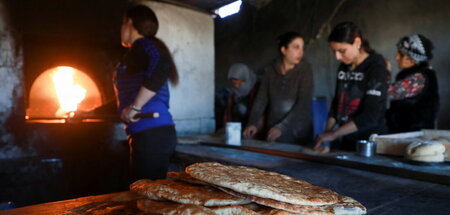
point(359, 104)
point(414, 94)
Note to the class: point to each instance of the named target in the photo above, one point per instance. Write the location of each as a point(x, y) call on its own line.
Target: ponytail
point(146, 23)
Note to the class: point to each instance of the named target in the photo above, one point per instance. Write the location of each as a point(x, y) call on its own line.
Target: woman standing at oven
point(141, 84)
point(359, 104)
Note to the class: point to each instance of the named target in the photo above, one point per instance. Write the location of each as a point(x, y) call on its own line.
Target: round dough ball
point(424, 148)
point(428, 158)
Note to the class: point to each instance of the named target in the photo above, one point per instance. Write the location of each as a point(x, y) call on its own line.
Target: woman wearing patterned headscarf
point(414, 94)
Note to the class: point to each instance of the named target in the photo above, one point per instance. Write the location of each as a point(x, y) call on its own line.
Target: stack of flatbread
point(177, 197)
point(214, 188)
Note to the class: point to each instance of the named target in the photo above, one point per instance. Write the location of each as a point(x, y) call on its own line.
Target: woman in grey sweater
point(285, 93)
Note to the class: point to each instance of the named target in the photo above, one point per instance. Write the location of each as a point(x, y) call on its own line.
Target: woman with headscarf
point(242, 93)
point(414, 94)
point(285, 95)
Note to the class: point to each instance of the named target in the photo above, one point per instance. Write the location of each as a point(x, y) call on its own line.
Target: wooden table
point(114, 203)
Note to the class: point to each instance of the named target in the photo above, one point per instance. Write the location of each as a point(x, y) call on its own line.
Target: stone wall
point(11, 76)
point(190, 37)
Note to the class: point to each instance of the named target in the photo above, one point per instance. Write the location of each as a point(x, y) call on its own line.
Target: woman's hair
point(347, 32)
point(146, 23)
point(144, 20)
point(285, 39)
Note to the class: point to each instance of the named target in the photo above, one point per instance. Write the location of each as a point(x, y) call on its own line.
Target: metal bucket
point(366, 148)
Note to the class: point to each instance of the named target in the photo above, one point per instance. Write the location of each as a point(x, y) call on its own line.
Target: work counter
point(386, 164)
point(371, 181)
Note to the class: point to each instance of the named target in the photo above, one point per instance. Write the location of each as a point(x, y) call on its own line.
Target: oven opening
point(60, 94)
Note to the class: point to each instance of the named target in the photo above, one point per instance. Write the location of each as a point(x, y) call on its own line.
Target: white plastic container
point(233, 133)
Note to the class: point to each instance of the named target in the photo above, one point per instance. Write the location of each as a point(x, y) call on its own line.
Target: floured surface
point(184, 193)
point(262, 184)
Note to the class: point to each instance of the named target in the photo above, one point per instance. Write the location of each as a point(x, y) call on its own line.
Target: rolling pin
point(147, 115)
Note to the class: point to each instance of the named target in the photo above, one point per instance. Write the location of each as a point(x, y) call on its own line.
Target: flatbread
point(262, 184)
point(138, 187)
point(183, 176)
point(345, 205)
point(233, 210)
point(185, 193)
point(171, 208)
point(277, 212)
point(140, 182)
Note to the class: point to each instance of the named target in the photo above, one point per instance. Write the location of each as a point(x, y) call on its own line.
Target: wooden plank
point(100, 204)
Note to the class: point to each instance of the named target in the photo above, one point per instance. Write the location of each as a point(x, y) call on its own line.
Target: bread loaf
point(425, 151)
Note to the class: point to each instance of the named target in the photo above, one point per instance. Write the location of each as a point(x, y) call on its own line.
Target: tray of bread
point(214, 188)
point(420, 147)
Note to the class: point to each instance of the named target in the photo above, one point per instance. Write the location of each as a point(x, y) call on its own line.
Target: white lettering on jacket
point(357, 76)
point(373, 92)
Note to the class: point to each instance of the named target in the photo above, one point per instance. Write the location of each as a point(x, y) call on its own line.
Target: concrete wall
point(190, 37)
point(383, 22)
point(11, 88)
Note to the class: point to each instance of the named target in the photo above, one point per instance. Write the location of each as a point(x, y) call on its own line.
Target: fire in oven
point(64, 94)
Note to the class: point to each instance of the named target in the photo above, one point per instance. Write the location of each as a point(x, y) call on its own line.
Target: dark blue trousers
point(150, 152)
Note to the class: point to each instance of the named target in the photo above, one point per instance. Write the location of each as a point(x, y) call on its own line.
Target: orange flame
point(69, 94)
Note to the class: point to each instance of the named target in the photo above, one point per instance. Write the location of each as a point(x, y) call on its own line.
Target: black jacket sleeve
point(373, 105)
point(138, 60)
point(160, 75)
point(333, 106)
